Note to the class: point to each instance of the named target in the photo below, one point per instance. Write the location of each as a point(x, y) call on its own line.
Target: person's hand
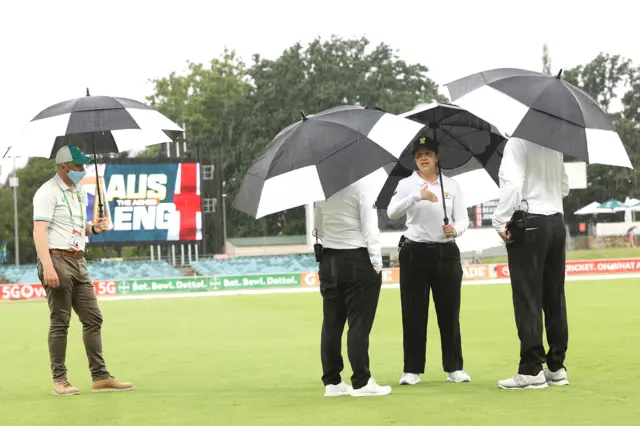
point(505, 237)
point(101, 225)
point(425, 194)
point(449, 230)
point(51, 277)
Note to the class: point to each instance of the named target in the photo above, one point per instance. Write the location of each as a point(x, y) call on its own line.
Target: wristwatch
point(93, 230)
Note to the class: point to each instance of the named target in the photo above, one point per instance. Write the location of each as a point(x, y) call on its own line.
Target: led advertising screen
point(146, 203)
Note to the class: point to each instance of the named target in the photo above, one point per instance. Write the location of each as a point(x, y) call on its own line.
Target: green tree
point(322, 75)
point(604, 78)
point(30, 177)
point(213, 103)
point(239, 109)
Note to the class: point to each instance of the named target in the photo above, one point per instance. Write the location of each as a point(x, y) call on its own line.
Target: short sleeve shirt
point(64, 208)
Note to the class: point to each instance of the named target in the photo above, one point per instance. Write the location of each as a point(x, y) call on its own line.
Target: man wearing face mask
point(59, 231)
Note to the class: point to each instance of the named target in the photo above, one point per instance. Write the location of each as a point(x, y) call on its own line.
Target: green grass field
point(254, 360)
point(592, 254)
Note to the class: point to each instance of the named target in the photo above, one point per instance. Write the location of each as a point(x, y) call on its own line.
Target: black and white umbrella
point(542, 109)
point(466, 144)
point(321, 154)
point(96, 124)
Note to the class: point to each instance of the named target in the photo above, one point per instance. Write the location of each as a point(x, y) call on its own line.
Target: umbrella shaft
point(95, 162)
point(444, 203)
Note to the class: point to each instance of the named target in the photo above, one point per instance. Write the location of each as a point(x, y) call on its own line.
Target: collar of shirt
point(63, 184)
point(420, 180)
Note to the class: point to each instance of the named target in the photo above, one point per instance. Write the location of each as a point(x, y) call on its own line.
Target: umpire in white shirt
point(533, 182)
point(350, 281)
point(430, 261)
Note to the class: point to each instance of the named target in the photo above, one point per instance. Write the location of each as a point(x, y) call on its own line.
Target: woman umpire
point(430, 260)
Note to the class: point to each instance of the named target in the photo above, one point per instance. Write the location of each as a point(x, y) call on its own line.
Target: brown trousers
point(75, 291)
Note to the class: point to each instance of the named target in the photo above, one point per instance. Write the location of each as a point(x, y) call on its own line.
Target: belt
point(68, 253)
point(429, 243)
point(534, 215)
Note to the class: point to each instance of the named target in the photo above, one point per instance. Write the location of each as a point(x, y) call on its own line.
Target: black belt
point(346, 250)
point(534, 215)
point(429, 243)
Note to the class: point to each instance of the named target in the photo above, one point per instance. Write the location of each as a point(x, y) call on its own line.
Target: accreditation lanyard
point(66, 200)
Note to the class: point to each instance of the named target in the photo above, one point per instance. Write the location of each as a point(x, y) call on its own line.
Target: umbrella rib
point(473, 132)
point(455, 139)
point(361, 137)
point(466, 150)
point(555, 116)
point(579, 106)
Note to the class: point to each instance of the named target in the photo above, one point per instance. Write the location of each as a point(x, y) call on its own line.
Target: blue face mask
point(76, 176)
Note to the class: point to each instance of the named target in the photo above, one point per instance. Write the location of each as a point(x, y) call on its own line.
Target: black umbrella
point(466, 143)
point(321, 154)
point(542, 109)
point(97, 124)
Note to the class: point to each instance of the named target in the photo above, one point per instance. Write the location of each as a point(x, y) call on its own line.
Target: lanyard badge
point(77, 232)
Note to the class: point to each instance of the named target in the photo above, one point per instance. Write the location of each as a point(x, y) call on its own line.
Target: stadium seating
point(256, 265)
point(124, 270)
point(99, 271)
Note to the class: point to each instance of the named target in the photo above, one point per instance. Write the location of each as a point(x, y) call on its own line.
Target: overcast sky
point(52, 50)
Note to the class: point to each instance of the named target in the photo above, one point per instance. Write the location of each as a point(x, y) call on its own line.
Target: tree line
point(231, 110)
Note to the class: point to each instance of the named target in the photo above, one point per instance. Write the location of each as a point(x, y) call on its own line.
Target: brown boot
point(110, 384)
point(63, 387)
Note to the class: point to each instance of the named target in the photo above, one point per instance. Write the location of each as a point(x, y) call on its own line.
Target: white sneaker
point(557, 378)
point(372, 389)
point(523, 381)
point(410, 379)
point(459, 376)
point(341, 389)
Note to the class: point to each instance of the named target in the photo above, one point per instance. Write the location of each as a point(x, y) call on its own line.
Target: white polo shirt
point(425, 219)
point(53, 202)
point(348, 219)
point(533, 173)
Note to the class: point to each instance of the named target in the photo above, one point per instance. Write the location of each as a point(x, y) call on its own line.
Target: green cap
point(72, 154)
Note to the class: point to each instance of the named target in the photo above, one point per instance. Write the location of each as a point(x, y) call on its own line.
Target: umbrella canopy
point(610, 206)
point(591, 208)
point(321, 154)
point(542, 109)
point(466, 144)
point(464, 139)
point(96, 124)
point(477, 186)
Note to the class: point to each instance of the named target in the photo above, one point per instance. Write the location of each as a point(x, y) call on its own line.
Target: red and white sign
point(613, 266)
point(21, 291)
point(588, 267)
point(105, 288)
point(502, 270)
point(36, 291)
point(475, 272)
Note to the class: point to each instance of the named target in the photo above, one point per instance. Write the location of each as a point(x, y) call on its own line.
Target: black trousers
point(537, 271)
point(350, 289)
point(426, 267)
